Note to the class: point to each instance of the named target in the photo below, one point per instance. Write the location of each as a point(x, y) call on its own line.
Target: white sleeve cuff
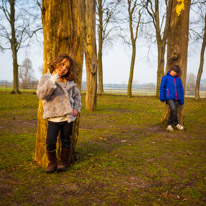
point(54, 78)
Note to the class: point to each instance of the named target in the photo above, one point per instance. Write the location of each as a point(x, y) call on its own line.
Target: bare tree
point(91, 56)
point(190, 81)
point(160, 22)
point(106, 20)
point(26, 73)
point(200, 12)
point(134, 12)
point(18, 25)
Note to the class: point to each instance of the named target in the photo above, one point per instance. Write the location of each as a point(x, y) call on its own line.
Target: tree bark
point(177, 47)
point(91, 55)
point(100, 70)
point(199, 75)
point(100, 46)
point(160, 65)
point(63, 29)
point(14, 49)
point(129, 88)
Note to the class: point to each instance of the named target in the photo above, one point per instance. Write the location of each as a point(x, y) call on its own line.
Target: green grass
point(125, 156)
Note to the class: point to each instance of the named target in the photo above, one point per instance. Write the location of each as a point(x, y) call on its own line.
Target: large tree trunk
point(100, 42)
point(177, 47)
point(129, 88)
point(14, 45)
point(199, 75)
point(63, 28)
point(91, 55)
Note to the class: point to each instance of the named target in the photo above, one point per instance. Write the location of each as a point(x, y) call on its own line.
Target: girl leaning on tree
point(61, 104)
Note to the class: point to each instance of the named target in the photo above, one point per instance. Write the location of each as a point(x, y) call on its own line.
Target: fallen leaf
point(165, 194)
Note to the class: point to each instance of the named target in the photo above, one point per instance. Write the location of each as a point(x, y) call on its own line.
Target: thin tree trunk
point(132, 6)
point(199, 75)
point(160, 67)
point(100, 70)
point(15, 71)
point(14, 48)
point(178, 47)
point(63, 28)
point(160, 47)
point(161, 39)
point(161, 43)
point(91, 56)
point(100, 46)
point(129, 88)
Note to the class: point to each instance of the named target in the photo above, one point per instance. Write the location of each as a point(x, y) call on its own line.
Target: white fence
point(121, 89)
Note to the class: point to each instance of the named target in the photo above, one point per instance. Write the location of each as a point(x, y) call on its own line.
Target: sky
point(116, 63)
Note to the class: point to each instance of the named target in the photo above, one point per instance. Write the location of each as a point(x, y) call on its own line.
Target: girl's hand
point(75, 113)
point(54, 72)
point(61, 72)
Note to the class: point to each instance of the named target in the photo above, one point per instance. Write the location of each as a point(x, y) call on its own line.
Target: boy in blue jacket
point(171, 91)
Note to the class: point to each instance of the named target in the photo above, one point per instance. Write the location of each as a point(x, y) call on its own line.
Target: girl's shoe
point(180, 127)
point(52, 166)
point(169, 128)
point(63, 163)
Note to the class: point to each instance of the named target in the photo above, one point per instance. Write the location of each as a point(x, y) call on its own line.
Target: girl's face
point(173, 73)
point(63, 67)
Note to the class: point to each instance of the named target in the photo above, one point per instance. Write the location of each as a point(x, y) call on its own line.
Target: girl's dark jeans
point(52, 133)
point(173, 112)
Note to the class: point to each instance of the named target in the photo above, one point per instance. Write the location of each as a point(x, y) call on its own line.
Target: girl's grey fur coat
point(57, 100)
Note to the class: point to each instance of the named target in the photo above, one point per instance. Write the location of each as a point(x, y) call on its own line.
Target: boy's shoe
point(169, 128)
point(180, 127)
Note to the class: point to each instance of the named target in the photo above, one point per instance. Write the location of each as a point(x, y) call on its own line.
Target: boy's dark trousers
point(173, 112)
point(52, 133)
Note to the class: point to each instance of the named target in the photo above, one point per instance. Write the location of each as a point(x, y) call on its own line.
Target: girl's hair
point(54, 64)
point(176, 68)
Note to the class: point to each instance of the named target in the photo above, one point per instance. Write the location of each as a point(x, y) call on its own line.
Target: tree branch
point(151, 13)
point(137, 27)
point(5, 10)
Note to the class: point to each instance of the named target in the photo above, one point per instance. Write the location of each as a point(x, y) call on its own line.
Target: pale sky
point(116, 63)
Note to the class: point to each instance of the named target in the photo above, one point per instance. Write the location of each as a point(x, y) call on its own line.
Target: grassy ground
point(125, 156)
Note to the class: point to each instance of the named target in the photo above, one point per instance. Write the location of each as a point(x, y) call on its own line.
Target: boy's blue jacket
point(171, 88)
